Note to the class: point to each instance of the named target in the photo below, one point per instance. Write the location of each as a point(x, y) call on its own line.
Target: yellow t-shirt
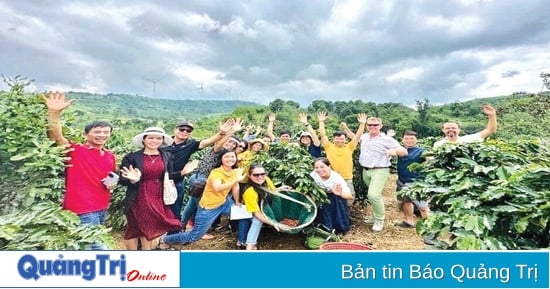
point(250, 197)
point(245, 158)
point(210, 198)
point(341, 158)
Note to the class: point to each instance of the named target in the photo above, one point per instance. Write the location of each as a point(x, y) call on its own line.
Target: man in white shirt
point(452, 130)
point(375, 155)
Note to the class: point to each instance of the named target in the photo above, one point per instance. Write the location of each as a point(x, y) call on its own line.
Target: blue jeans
point(254, 231)
point(94, 219)
point(203, 221)
point(191, 207)
point(243, 229)
point(176, 207)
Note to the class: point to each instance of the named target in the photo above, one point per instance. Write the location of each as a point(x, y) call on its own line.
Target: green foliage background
point(493, 195)
point(32, 172)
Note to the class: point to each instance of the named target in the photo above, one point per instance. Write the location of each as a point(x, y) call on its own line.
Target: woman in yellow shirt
point(254, 193)
point(215, 200)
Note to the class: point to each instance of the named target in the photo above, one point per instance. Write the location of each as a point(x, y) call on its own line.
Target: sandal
point(404, 224)
point(163, 246)
point(207, 237)
point(241, 246)
point(219, 228)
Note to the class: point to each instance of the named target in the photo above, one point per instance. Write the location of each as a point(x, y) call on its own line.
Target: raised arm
point(362, 119)
point(322, 117)
point(224, 128)
point(55, 102)
point(247, 130)
point(302, 117)
point(270, 121)
point(491, 122)
point(237, 126)
point(346, 130)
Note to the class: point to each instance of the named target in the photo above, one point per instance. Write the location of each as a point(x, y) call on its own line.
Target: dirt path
point(391, 238)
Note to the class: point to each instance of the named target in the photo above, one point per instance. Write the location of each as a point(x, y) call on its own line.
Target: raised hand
point(271, 117)
point(240, 174)
point(322, 116)
point(362, 118)
point(238, 125)
point(489, 110)
point(302, 117)
point(131, 173)
point(56, 101)
point(227, 125)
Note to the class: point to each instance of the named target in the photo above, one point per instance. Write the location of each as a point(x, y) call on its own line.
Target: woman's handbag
point(196, 189)
point(169, 192)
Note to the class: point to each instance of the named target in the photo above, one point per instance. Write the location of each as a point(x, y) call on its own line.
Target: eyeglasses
point(243, 147)
point(373, 124)
point(259, 175)
point(185, 129)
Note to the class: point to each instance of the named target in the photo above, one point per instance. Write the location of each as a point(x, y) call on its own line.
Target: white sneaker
point(369, 221)
point(378, 226)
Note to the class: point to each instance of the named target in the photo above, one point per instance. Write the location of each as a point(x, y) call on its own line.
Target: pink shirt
point(87, 166)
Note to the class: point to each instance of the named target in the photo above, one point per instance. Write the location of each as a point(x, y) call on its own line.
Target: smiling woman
point(143, 172)
point(392, 238)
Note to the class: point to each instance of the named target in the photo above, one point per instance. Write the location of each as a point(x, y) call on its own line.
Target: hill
point(141, 107)
point(132, 113)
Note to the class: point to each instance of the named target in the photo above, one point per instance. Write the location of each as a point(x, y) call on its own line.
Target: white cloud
point(313, 71)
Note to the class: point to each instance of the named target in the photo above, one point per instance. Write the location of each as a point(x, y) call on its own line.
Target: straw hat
point(265, 146)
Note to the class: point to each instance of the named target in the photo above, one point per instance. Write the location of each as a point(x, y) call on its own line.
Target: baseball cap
point(186, 123)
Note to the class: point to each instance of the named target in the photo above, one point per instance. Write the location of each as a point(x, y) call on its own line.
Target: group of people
point(406, 177)
point(226, 175)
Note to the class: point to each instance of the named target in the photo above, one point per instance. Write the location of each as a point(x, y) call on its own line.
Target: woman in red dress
point(143, 173)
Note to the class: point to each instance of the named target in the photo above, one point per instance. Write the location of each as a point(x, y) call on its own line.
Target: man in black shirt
point(182, 149)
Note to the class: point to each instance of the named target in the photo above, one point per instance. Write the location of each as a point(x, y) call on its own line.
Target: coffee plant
point(492, 195)
point(291, 165)
point(32, 183)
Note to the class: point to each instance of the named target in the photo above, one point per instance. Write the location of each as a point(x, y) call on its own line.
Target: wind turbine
point(545, 80)
point(154, 81)
point(201, 88)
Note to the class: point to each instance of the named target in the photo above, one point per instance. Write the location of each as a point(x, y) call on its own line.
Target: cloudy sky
point(380, 51)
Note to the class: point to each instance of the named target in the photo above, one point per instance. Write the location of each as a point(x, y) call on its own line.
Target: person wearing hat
point(184, 146)
point(89, 164)
point(142, 172)
point(254, 146)
point(309, 139)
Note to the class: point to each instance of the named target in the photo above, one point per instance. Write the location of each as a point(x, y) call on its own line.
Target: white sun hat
point(138, 139)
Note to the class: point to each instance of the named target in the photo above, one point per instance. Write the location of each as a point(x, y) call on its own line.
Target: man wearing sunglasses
point(376, 151)
point(182, 149)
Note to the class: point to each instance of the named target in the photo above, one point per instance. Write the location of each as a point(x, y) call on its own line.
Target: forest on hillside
point(520, 114)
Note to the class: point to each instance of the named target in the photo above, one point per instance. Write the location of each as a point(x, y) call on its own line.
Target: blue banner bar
point(365, 269)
